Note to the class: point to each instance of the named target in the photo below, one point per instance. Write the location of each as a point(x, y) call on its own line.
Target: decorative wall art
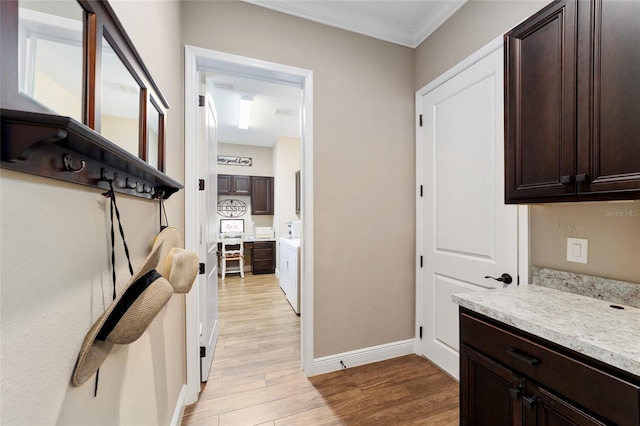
point(232, 160)
point(232, 208)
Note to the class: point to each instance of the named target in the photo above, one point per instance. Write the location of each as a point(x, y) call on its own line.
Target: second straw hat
point(176, 264)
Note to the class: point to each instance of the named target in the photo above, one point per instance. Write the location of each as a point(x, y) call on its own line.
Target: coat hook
point(129, 185)
point(66, 159)
point(103, 173)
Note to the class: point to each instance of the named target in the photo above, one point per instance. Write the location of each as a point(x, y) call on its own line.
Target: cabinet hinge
point(420, 120)
point(420, 332)
point(201, 268)
point(203, 351)
point(201, 184)
point(201, 100)
point(518, 280)
point(421, 190)
point(421, 261)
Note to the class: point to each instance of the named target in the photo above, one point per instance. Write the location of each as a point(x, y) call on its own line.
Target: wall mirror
point(50, 46)
point(120, 104)
point(155, 125)
point(77, 102)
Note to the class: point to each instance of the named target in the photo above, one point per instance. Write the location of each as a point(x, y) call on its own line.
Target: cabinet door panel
point(548, 410)
point(242, 185)
point(609, 93)
point(224, 184)
point(540, 104)
point(262, 195)
point(485, 396)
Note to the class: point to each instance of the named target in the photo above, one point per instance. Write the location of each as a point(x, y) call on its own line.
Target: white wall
point(286, 162)
point(55, 263)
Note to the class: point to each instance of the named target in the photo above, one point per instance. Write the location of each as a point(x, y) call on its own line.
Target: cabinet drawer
point(613, 398)
point(262, 266)
point(262, 254)
point(263, 245)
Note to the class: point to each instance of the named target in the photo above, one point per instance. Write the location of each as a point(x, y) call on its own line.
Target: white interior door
point(208, 238)
point(465, 230)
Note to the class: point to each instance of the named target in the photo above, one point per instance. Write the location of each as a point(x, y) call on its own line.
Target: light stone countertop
point(584, 324)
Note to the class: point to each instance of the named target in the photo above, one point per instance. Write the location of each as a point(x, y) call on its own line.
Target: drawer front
point(263, 245)
point(262, 254)
point(613, 398)
point(262, 267)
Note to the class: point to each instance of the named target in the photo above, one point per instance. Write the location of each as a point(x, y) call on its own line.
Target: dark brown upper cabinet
point(234, 185)
point(78, 103)
point(262, 195)
point(572, 76)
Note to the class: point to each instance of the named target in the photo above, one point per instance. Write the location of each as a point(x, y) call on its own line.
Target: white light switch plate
point(577, 250)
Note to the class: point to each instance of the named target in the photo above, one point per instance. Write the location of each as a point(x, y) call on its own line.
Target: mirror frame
point(100, 20)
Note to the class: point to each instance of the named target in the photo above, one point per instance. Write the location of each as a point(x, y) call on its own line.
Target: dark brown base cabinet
point(508, 377)
point(572, 127)
point(263, 260)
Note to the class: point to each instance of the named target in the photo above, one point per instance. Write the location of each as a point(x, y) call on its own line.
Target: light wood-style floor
point(256, 379)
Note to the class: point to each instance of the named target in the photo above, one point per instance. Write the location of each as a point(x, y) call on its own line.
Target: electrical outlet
point(577, 250)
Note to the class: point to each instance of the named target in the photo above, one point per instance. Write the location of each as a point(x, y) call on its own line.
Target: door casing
point(197, 58)
point(523, 211)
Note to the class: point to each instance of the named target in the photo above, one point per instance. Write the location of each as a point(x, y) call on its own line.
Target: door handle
point(583, 177)
point(523, 357)
point(504, 278)
point(515, 393)
point(529, 401)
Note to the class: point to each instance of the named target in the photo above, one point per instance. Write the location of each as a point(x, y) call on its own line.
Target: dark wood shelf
point(38, 143)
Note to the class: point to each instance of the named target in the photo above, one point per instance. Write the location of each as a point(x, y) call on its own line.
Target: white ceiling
point(406, 23)
point(275, 113)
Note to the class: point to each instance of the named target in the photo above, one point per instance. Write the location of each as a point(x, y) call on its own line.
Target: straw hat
point(128, 316)
point(177, 265)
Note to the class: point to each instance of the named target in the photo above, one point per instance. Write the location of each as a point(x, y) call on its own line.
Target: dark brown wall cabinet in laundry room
point(572, 127)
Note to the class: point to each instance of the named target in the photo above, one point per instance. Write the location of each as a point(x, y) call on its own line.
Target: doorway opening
point(197, 62)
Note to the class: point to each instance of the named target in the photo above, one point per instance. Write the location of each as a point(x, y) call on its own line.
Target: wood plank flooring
point(256, 378)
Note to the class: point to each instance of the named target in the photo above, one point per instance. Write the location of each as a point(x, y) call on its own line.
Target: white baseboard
point(363, 356)
point(178, 413)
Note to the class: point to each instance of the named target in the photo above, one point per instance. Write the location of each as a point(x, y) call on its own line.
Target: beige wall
point(363, 123)
point(613, 231)
point(474, 25)
point(613, 241)
point(261, 164)
point(286, 162)
point(56, 275)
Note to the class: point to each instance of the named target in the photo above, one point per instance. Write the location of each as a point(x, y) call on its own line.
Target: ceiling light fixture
point(244, 112)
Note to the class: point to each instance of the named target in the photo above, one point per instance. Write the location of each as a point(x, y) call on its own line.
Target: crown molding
point(431, 23)
point(333, 15)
